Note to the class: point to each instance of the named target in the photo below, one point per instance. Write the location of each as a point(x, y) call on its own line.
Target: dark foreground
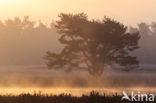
point(93, 97)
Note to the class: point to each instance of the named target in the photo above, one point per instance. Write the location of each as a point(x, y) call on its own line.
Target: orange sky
point(129, 12)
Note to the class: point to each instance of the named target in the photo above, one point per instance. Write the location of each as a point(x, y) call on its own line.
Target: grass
point(93, 97)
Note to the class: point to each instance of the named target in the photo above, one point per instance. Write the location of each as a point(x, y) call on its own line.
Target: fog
point(146, 52)
point(41, 77)
point(24, 44)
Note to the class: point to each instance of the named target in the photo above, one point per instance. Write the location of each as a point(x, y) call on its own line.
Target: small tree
point(92, 45)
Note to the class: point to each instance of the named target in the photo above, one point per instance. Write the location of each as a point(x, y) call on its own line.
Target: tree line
point(75, 42)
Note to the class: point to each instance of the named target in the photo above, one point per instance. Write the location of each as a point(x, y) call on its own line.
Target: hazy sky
point(129, 12)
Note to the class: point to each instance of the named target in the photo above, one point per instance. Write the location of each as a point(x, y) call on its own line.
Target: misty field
point(33, 77)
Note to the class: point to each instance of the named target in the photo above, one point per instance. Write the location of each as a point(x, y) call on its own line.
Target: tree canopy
point(92, 45)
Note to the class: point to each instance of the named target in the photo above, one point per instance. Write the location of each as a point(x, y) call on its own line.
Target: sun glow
point(6, 3)
point(74, 91)
point(9, 6)
point(116, 9)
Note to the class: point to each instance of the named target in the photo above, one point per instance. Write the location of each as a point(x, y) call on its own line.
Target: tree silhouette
point(92, 45)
